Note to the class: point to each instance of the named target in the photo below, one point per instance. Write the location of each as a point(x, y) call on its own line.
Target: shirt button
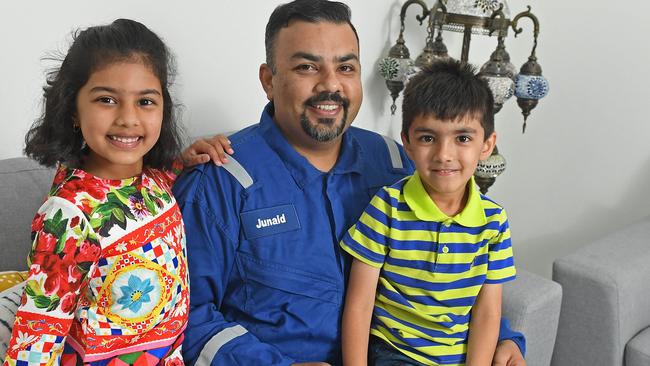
point(445, 249)
point(447, 223)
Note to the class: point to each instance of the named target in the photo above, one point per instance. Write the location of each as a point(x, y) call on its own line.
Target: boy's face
point(446, 153)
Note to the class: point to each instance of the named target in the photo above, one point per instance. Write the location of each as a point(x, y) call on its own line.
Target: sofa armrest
point(606, 286)
point(532, 305)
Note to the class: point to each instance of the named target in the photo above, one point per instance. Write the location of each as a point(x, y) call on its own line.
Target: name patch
point(269, 221)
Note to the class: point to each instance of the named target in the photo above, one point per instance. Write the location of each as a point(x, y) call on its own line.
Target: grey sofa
point(23, 187)
point(605, 317)
point(531, 302)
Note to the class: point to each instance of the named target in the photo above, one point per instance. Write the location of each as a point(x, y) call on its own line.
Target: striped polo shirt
point(432, 267)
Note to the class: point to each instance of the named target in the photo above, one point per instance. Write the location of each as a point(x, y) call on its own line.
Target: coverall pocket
point(271, 277)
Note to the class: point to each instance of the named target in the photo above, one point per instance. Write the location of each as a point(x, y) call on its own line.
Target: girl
point(108, 277)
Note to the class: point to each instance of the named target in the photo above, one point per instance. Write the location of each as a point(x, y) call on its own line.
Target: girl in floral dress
point(108, 281)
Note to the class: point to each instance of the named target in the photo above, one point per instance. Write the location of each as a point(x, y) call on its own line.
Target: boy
point(433, 249)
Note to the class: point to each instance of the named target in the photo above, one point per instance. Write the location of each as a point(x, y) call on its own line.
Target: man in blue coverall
point(267, 275)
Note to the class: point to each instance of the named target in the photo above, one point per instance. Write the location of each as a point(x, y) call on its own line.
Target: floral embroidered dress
point(108, 282)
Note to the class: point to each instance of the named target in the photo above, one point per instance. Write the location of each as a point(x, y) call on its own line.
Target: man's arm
point(511, 347)
point(209, 338)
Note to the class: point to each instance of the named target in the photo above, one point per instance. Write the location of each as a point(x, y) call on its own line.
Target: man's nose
point(329, 81)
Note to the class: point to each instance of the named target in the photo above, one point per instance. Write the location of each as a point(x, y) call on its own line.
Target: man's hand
point(508, 354)
point(202, 150)
point(311, 364)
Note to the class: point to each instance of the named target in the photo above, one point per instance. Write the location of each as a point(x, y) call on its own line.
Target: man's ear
point(488, 146)
point(406, 144)
point(266, 79)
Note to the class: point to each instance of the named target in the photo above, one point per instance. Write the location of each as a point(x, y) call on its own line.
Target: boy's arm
point(484, 326)
point(359, 302)
point(203, 150)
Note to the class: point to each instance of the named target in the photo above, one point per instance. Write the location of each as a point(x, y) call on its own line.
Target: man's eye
point(347, 68)
point(305, 67)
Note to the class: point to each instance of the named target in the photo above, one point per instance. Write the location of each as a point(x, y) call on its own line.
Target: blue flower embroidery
point(135, 294)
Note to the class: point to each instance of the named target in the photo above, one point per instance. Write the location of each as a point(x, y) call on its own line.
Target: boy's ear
point(266, 79)
point(406, 144)
point(488, 146)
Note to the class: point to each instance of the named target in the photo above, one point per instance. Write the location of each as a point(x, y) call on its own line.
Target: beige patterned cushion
point(9, 302)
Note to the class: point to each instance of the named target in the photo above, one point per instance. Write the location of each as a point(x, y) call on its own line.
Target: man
point(266, 273)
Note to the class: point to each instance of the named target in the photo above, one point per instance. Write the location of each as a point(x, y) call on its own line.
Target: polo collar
point(303, 172)
point(417, 198)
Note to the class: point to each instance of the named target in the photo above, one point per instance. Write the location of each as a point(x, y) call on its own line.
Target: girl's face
point(120, 112)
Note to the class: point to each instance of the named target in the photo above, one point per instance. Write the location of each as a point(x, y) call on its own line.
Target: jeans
point(381, 353)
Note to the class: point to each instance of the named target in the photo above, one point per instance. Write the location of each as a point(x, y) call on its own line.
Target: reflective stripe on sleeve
point(216, 342)
point(395, 158)
point(238, 172)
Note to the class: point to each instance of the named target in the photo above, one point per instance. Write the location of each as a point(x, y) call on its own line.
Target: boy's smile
point(445, 154)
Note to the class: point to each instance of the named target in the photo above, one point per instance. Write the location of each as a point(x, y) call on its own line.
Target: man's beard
point(325, 129)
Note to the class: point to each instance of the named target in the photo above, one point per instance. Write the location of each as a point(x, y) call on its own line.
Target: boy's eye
point(464, 139)
point(426, 138)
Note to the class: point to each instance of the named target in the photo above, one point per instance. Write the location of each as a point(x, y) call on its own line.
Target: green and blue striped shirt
point(432, 267)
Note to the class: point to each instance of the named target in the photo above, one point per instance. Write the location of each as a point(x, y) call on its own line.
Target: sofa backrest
point(23, 187)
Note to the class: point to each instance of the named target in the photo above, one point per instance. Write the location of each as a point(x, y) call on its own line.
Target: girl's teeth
point(126, 140)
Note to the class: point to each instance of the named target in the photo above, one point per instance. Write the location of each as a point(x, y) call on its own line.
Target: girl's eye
point(145, 102)
point(107, 100)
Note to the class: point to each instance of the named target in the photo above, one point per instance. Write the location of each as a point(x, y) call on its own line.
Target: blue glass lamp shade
point(530, 87)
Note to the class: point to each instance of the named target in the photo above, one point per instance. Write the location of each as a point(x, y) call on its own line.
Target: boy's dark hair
point(311, 11)
point(53, 138)
point(448, 90)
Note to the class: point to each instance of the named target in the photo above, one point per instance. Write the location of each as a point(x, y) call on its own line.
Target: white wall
point(579, 172)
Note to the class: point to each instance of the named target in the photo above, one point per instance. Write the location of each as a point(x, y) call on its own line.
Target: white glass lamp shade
point(476, 8)
point(492, 167)
point(396, 69)
point(502, 87)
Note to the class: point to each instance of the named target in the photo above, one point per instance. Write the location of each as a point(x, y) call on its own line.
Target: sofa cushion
point(9, 302)
point(23, 187)
point(11, 278)
point(637, 351)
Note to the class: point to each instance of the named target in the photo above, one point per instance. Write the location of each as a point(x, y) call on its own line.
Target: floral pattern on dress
point(108, 273)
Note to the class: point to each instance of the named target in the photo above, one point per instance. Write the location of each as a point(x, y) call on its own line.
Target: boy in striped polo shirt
point(430, 252)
